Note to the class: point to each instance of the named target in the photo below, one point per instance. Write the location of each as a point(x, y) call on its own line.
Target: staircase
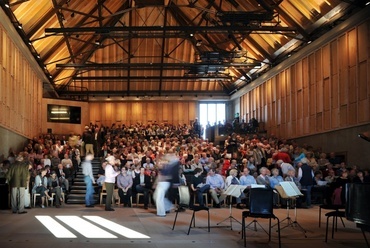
point(78, 187)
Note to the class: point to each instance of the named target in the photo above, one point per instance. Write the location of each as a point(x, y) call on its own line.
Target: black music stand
point(290, 192)
point(234, 190)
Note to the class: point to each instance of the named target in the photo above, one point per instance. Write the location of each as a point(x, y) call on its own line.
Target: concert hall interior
point(182, 109)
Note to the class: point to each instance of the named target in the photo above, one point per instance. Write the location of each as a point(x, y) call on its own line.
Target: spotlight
point(7, 5)
point(20, 26)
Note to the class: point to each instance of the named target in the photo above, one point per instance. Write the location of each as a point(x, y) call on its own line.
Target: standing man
point(89, 180)
point(110, 180)
point(97, 141)
point(87, 138)
point(17, 177)
point(196, 127)
point(305, 176)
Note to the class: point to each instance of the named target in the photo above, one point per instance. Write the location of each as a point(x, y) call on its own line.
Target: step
point(78, 184)
point(80, 199)
point(78, 191)
point(78, 187)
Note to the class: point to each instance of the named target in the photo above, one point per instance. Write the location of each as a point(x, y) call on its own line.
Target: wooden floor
point(27, 231)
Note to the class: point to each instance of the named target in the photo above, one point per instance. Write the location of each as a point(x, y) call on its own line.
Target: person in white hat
point(110, 180)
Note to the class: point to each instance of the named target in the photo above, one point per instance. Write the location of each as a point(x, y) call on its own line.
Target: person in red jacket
point(282, 155)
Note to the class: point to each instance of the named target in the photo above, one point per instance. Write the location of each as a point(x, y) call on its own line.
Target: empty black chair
point(331, 207)
point(184, 200)
point(261, 205)
point(334, 214)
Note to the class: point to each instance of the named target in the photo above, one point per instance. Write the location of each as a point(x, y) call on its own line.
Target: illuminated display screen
point(64, 114)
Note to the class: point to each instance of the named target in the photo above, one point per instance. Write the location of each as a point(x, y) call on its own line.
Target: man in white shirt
point(110, 180)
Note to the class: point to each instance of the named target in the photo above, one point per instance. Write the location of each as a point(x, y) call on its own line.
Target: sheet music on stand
point(234, 190)
point(290, 189)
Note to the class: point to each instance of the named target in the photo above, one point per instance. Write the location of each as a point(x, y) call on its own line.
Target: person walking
point(168, 174)
point(17, 177)
point(110, 180)
point(89, 180)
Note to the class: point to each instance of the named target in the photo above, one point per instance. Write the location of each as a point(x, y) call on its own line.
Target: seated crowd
point(244, 159)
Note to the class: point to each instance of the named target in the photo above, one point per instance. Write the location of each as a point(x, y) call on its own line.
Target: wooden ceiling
point(160, 48)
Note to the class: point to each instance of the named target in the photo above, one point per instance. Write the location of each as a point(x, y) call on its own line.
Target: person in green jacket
point(17, 176)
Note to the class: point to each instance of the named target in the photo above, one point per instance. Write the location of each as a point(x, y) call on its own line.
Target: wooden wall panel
point(363, 41)
point(298, 75)
point(334, 57)
point(326, 94)
point(352, 47)
point(324, 91)
point(342, 53)
point(19, 90)
point(334, 92)
point(305, 73)
point(363, 80)
point(318, 66)
point(326, 62)
point(352, 113)
point(319, 96)
point(352, 85)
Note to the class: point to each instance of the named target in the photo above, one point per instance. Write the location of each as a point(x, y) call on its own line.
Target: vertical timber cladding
point(326, 90)
point(172, 112)
point(20, 90)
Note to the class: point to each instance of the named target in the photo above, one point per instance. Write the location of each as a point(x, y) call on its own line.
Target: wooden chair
point(117, 199)
point(104, 193)
point(53, 195)
point(34, 197)
point(138, 195)
point(205, 196)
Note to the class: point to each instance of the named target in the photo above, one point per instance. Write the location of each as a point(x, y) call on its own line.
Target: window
point(212, 113)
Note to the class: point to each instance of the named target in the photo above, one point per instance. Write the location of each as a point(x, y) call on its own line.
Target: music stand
point(233, 190)
point(290, 192)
